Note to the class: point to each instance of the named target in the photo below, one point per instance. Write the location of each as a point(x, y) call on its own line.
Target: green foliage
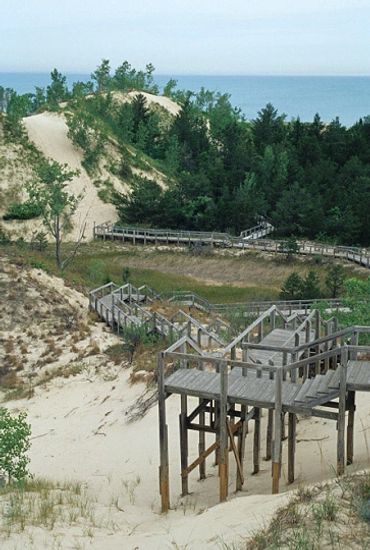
point(23, 211)
point(357, 299)
point(334, 280)
point(4, 236)
point(292, 288)
point(14, 443)
point(290, 247)
point(298, 288)
point(126, 274)
point(309, 179)
point(48, 191)
point(39, 241)
point(169, 87)
point(102, 76)
point(57, 90)
point(86, 132)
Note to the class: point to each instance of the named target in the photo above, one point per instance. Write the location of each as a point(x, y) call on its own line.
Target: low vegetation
point(325, 516)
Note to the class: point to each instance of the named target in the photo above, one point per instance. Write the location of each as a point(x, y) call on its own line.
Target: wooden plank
point(237, 459)
point(312, 390)
point(300, 397)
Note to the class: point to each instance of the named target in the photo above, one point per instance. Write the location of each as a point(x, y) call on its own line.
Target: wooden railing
point(138, 234)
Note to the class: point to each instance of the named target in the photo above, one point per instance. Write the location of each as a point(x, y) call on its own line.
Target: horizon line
point(180, 74)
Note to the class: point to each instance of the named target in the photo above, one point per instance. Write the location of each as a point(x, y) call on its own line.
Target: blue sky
point(188, 37)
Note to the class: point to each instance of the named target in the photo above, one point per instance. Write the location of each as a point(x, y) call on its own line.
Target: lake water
point(345, 97)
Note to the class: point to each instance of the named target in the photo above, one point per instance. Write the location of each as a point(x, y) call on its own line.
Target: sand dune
point(48, 131)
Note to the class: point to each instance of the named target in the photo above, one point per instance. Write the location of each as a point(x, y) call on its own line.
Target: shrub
point(14, 443)
point(4, 236)
point(23, 211)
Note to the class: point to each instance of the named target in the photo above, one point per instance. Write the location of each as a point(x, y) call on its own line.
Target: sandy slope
point(80, 432)
point(48, 131)
point(171, 106)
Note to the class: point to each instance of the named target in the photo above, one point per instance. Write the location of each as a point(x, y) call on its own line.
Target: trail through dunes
point(48, 131)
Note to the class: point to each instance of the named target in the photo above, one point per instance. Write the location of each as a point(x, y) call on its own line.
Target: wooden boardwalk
point(252, 239)
point(302, 371)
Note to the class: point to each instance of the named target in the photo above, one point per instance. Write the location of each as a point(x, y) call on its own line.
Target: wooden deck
point(253, 391)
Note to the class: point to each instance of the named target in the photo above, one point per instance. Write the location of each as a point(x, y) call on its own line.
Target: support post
point(291, 445)
point(276, 464)
point(350, 425)
point(256, 440)
point(224, 447)
point(270, 427)
point(163, 438)
point(242, 433)
point(342, 411)
point(184, 446)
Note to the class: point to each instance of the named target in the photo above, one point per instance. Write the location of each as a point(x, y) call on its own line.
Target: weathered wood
point(269, 432)
point(292, 420)
point(202, 443)
point(163, 438)
point(223, 456)
point(236, 455)
point(276, 465)
point(256, 441)
point(350, 425)
point(184, 445)
point(342, 412)
point(242, 433)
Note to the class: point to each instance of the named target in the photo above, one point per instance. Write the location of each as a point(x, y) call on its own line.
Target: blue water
point(303, 96)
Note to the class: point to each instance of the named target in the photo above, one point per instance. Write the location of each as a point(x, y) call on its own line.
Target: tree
point(169, 87)
point(17, 107)
point(14, 443)
point(334, 280)
point(140, 113)
point(292, 287)
point(311, 287)
point(102, 76)
point(290, 247)
point(48, 191)
point(57, 91)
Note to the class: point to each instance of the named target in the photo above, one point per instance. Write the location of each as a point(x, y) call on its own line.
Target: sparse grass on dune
point(46, 504)
point(332, 516)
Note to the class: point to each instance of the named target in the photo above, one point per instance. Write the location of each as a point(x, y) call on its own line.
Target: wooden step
point(334, 382)
point(312, 391)
point(300, 397)
point(324, 384)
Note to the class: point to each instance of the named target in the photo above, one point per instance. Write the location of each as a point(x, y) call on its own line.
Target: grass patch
point(42, 503)
point(333, 516)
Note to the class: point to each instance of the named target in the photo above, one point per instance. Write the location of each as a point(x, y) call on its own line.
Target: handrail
point(356, 254)
point(249, 329)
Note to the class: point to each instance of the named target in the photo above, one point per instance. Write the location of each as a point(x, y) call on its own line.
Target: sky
point(295, 37)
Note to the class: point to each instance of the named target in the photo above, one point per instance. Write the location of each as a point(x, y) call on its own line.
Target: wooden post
point(317, 324)
point(273, 319)
point(163, 438)
point(351, 419)
point(270, 427)
point(260, 331)
point(242, 433)
point(224, 447)
point(291, 445)
point(184, 446)
point(256, 440)
point(276, 464)
point(342, 411)
point(202, 444)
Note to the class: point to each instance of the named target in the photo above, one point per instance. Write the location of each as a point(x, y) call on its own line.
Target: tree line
point(310, 179)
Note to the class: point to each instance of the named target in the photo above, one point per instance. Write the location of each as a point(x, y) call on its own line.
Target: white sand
point(80, 432)
point(48, 131)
